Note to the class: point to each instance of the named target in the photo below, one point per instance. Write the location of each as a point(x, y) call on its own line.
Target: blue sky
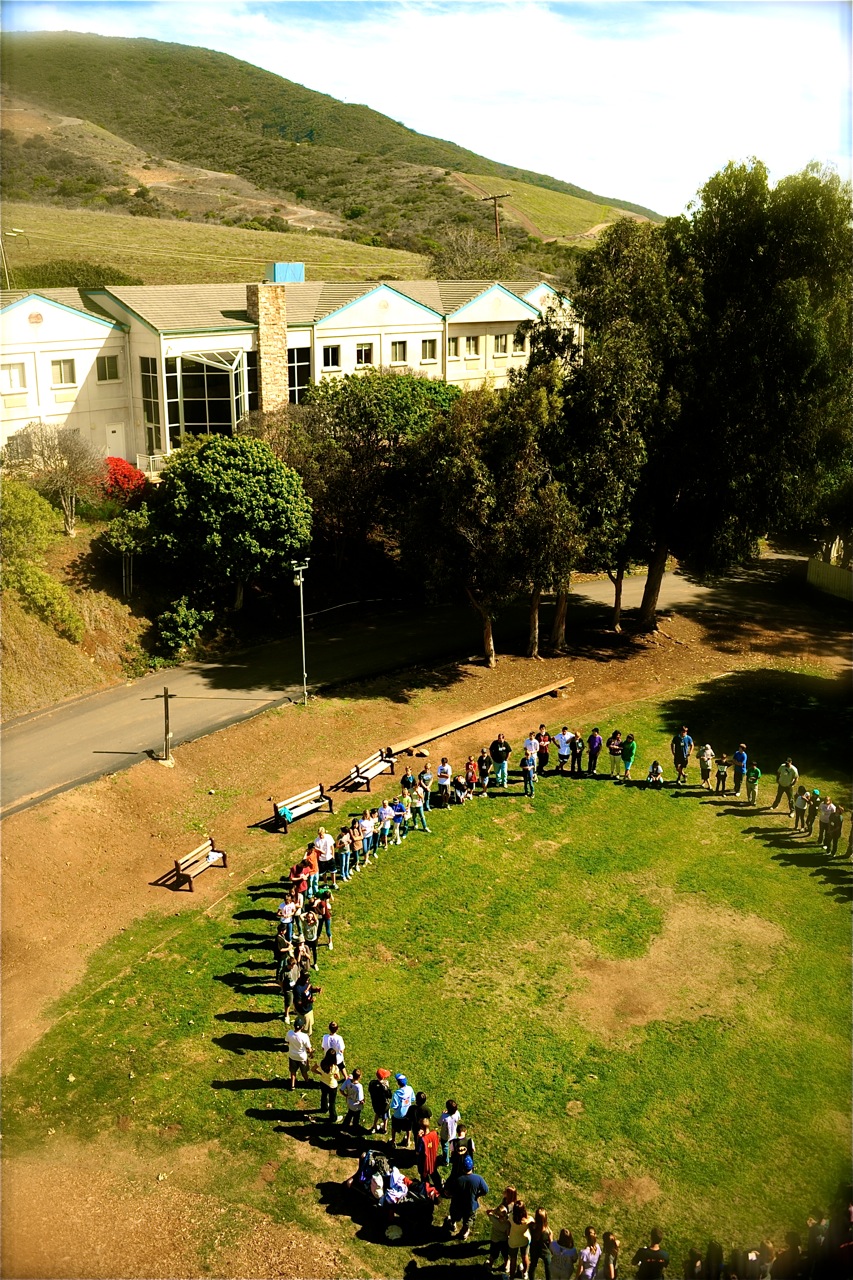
point(641, 101)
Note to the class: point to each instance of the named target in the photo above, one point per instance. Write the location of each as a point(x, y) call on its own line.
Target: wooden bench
point(363, 774)
point(306, 802)
point(206, 855)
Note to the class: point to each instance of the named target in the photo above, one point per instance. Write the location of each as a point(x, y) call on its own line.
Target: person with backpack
point(651, 1260)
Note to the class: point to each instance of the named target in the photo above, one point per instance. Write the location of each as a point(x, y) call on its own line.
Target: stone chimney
point(266, 305)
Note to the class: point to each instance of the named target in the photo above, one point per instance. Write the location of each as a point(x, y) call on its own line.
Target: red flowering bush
point(123, 481)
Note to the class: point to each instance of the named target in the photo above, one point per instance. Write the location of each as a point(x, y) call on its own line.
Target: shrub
point(47, 599)
point(179, 627)
point(28, 523)
point(123, 481)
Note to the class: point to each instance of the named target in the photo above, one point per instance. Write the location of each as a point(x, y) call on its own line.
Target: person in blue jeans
point(739, 763)
point(425, 779)
point(500, 751)
point(528, 773)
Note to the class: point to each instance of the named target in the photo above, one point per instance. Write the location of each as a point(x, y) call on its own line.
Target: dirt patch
point(702, 964)
point(633, 1192)
point(98, 1212)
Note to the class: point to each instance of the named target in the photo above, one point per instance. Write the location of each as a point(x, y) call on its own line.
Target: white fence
point(151, 463)
point(830, 578)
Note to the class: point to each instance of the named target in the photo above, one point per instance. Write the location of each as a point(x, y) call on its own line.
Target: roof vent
point(285, 272)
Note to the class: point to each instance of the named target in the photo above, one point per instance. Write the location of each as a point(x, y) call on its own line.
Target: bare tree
point(58, 463)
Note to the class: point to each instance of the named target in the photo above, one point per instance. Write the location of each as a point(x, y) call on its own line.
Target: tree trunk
point(488, 637)
point(238, 595)
point(617, 579)
point(533, 634)
point(558, 630)
point(657, 565)
point(68, 502)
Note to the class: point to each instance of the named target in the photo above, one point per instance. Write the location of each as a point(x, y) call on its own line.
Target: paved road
point(60, 747)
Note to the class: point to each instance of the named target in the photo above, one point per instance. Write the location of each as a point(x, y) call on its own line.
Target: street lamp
point(298, 579)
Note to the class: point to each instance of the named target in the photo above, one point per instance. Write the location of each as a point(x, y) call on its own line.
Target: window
point(209, 392)
point(364, 353)
point(150, 402)
point(453, 348)
point(63, 373)
point(472, 346)
point(398, 352)
point(331, 357)
point(298, 373)
point(500, 344)
point(107, 368)
point(428, 348)
point(519, 344)
point(13, 377)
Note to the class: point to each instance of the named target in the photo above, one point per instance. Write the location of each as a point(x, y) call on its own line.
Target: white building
point(139, 368)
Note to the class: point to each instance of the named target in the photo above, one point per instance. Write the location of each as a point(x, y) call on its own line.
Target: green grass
point(172, 252)
point(554, 212)
point(473, 959)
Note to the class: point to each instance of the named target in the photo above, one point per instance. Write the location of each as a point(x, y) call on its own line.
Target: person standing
point(825, 812)
point(310, 931)
point(484, 768)
point(468, 1190)
point(651, 1260)
point(323, 907)
point(814, 805)
point(801, 808)
point(786, 777)
point(498, 1247)
point(563, 741)
point(836, 822)
point(753, 777)
point(528, 773)
point(610, 1256)
point(541, 1237)
point(417, 798)
point(543, 747)
point(399, 822)
point(401, 1100)
point(681, 747)
point(614, 750)
point(325, 846)
point(564, 1255)
point(520, 1223)
point(367, 826)
point(380, 1099)
point(312, 864)
point(353, 1091)
point(298, 1052)
point(594, 744)
point(333, 1042)
point(448, 1125)
point(576, 747)
point(289, 978)
point(590, 1255)
point(739, 766)
point(425, 779)
point(303, 999)
point(722, 775)
point(706, 764)
point(500, 751)
point(444, 774)
point(629, 752)
point(330, 1077)
point(426, 1154)
point(344, 853)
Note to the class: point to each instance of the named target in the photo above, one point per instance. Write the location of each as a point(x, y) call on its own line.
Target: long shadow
point(246, 1015)
point(251, 915)
point(246, 984)
point(241, 1043)
point(251, 1083)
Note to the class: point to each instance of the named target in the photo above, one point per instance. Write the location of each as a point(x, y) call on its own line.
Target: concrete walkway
point(49, 751)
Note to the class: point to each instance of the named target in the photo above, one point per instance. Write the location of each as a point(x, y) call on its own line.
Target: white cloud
point(642, 102)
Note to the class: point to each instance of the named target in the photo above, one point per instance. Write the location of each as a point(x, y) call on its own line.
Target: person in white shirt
point(564, 748)
point(353, 1090)
point(531, 743)
point(298, 1051)
point(324, 843)
point(333, 1041)
point(590, 1256)
point(824, 818)
point(444, 774)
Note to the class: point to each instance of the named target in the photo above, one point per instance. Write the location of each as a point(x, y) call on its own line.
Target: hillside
point(196, 107)
point(161, 252)
point(546, 214)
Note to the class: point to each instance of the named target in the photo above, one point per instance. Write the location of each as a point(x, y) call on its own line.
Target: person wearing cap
point(468, 1190)
point(814, 805)
point(380, 1099)
point(298, 1052)
point(401, 1100)
point(706, 764)
point(786, 776)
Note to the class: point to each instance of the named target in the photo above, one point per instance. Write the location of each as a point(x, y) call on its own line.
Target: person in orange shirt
point(312, 861)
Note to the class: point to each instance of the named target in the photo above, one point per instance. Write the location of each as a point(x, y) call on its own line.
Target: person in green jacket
point(753, 777)
point(629, 751)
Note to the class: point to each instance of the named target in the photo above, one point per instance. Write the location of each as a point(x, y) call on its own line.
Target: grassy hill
point(192, 107)
point(161, 252)
point(546, 214)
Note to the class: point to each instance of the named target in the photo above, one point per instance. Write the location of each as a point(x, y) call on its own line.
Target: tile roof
point(77, 299)
point(170, 307)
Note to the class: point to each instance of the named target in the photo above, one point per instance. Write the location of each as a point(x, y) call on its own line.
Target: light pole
point(298, 579)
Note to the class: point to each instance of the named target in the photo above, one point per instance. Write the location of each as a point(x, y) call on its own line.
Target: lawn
point(168, 251)
point(640, 1000)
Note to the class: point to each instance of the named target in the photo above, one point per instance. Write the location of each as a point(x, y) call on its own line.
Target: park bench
point(362, 774)
point(297, 806)
point(192, 865)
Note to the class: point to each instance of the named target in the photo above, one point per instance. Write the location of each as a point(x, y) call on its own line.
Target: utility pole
point(167, 758)
point(495, 199)
point(298, 579)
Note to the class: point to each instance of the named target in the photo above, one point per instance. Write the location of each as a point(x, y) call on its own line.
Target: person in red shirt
point(426, 1152)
